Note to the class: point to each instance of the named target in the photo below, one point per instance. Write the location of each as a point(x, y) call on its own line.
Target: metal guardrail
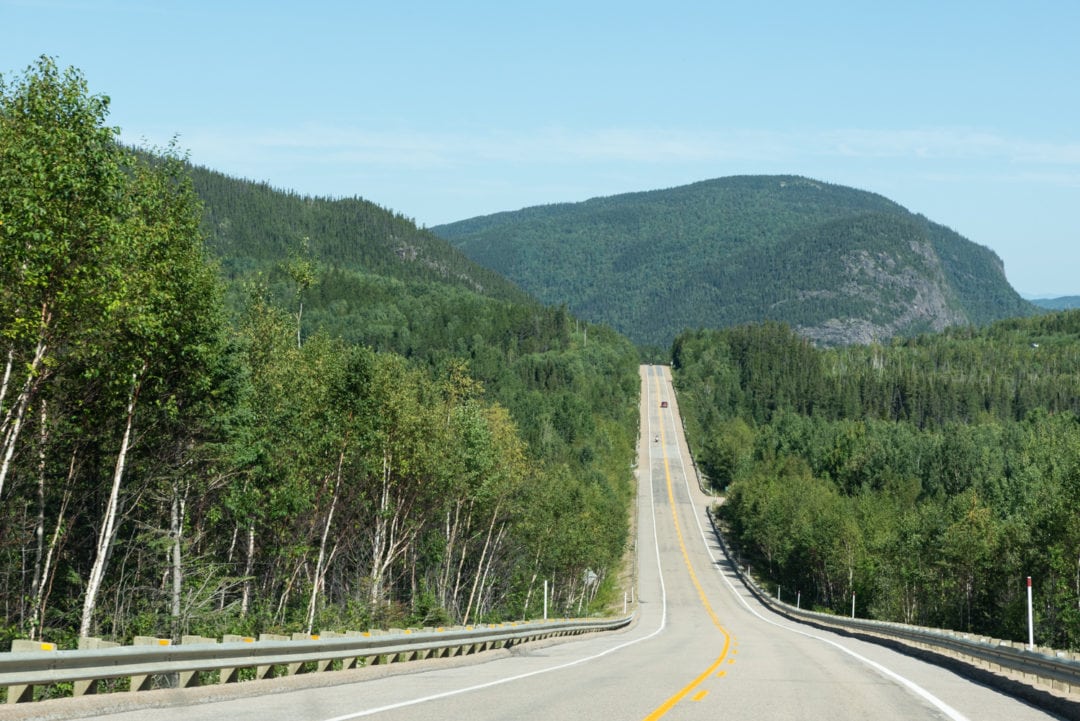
point(182, 664)
point(1059, 670)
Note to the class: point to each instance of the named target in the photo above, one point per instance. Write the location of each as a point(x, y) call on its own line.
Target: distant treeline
point(929, 476)
point(1062, 303)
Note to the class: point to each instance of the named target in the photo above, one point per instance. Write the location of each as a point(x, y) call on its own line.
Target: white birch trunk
point(299, 315)
point(176, 522)
point(485, 588)
point(480, 566)
point(532, 584)
point(455, 593)
point(7, 378)
point(381, 533)
point(389, 539)
point(321, 563)
point(12, 436)
point(12, 422)
point(41, 588)
point(245, 597)
point(450, 532)
point(39, 527)
point(105, 536)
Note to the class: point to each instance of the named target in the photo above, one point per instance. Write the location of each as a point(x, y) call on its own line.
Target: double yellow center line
point(661, 710)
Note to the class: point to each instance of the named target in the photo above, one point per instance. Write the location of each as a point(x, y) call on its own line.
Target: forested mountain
point(839, 265)
point(225, 408)
point(929, 476)
point(251, 227)
point(1062, 303)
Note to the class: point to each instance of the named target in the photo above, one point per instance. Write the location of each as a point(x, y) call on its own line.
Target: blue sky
point(966, 112)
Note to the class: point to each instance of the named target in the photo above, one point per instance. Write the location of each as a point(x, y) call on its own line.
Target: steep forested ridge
point(929, 476)
point(378, 281)
point(225, 408)
point(251, 226)
point(838, 264)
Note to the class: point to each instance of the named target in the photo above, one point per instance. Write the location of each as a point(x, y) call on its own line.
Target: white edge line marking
point(888, 673)
point(489, 684)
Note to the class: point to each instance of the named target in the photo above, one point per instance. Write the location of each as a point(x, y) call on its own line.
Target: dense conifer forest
point(839, 265)
point(229, 408)
point(928, 477)
point(226, 408)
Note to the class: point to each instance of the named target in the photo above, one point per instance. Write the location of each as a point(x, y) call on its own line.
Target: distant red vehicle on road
point(663, 404)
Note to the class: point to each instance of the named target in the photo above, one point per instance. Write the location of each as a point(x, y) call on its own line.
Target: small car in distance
point(663, 404)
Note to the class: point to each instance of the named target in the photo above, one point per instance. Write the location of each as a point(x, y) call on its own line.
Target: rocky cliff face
point(903, 297)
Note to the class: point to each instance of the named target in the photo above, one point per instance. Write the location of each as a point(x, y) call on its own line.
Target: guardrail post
point(89, 686)
point(189, 679)
point(376, 660)
point(346, 663)
point(427, 653)
point(182, 665)
point(25, 692)
point(143, 682)
point(450, 651)
point(295, 668)
point(232, 675)
point(404, 655)
point(262, 672)
point(353, 661)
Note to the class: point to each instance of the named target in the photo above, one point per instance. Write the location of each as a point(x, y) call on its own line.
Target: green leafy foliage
point(339, 420)
point(929, 476)
point(840, 265)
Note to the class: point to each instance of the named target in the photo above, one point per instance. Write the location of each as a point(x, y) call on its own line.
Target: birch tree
point(164, 329)
point(61, 181)
point(400, 473)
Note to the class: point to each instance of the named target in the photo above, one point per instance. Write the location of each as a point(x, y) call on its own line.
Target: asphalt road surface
point(700, 647)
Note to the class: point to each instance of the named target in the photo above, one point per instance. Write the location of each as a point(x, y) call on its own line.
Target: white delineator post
point(1031, 618)
point(545, 599)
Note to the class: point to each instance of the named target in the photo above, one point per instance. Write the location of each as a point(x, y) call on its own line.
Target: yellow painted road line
point(671, 702)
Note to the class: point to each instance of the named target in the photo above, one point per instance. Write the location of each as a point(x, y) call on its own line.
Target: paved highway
point(701, 647)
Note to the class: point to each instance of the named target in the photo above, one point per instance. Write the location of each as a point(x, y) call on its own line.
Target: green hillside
point(369, 277)
point(1063, 303)
point(228, 409)
point(252, 226)
point(927, 476)
point(840, 265)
